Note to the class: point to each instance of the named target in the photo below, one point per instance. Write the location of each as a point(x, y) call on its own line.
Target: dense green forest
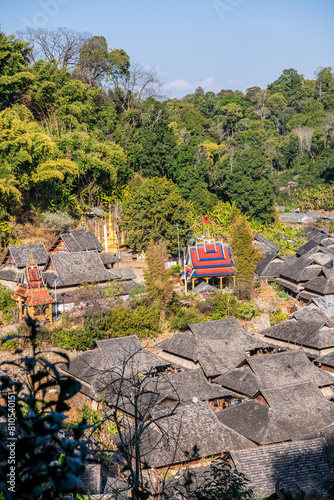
point(78, 122)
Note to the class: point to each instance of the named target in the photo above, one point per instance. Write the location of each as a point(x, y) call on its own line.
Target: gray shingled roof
point(303, 269)
point(320, 285)
point(313, 331)
point(273, 370)
point(325, 304)
point(9, 274)
point(270, 244)
point(86, 239)
point(304, 249)
point(292, 412)
point(21, 254)
point(186, 385)
point(70, 242)
point(128, 355)
point(203, 287)
point(308, 464)
point(173, 439)
point(84, 367)
point(124, 273)
point(317, 234)
point(219, 345)
point(327, 360)
point(241, 380)
point(182, 344)
point(108, 258)
point(79, 267)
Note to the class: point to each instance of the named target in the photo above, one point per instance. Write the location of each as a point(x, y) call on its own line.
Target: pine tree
point(245, 255)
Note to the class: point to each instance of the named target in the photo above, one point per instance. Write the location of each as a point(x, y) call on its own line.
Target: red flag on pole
point(205, 220)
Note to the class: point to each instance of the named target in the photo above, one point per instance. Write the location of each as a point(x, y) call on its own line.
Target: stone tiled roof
point(308, 464)
point(218, 346)
point(313, 331)
point(21, 254)
point(292, 412)
point(79, 267)
point(173, 439)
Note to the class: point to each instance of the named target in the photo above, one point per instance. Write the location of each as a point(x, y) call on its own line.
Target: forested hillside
point(78, 121)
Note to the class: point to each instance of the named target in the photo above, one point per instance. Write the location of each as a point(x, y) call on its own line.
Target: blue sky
point(230, 44)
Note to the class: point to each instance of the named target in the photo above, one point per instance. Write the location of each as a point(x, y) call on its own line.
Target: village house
point(301, 465)
point(307, 328)
point(285, 413)
point(275, 370)
point(215, 346)
point(17, 258)
point(188, 436)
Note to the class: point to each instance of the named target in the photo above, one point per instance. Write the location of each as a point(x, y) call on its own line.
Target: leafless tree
point(62, 44)
point(133, 395)
point(132, 89)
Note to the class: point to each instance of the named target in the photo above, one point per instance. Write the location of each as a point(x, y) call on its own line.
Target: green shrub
point(58, 222)
point(277, 317)
point(78, 339)
point(183, 316)
point(227, 305)
point(8, 343)
point(177, 269)
point(142, 321)
point(7, 304)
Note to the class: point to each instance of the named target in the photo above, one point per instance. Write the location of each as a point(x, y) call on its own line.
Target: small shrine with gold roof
point(32, 296)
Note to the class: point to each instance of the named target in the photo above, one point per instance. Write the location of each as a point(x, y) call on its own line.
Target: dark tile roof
point(219, 345)
point(79, 267)
point(173, 439)
point(303, 269)
point(128, 355)
point(124, 273)
point(304, 249)
point(275, 266)
point(263, 263)
point(203, 287)
point(182, 344)
point(241, 380)
point(273, 370)
point(85, 367)
point(86, 239)
point(320, 285)
point(186, 386)
point(317, 234)
point(21, 254)
point(285, 368)
point(270, 244)
point(292, 412)
point(9, 274)
point(307, 465)
point(70, 242)
point(314, 332)
point(108, 258)
point(327, 360)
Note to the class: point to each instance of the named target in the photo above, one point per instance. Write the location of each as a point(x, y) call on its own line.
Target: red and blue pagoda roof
point(209, 259)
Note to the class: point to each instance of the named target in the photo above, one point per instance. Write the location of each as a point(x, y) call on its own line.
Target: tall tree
point(158, 280)
point(15, 76)
point(244, 253)
point(62, 45)
point(97, 62)
point(151, 210)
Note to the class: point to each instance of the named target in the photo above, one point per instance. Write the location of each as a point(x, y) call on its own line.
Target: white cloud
point(235, 81)
point(179, 84)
